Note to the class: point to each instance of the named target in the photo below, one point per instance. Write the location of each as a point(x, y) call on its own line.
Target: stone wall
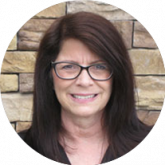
point(16, 79)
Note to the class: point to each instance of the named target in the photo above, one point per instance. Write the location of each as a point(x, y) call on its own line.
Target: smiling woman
point(84, 105)
point(81, 95)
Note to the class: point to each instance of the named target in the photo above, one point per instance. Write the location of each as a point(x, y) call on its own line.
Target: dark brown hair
point(124, 129)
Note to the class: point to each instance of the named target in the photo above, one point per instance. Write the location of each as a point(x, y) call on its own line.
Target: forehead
point(75, 50)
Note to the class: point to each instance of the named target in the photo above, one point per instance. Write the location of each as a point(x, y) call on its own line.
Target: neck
point(84, 138)
point(83, 128)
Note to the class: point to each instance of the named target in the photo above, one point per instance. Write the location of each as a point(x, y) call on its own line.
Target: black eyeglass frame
point(53, 64)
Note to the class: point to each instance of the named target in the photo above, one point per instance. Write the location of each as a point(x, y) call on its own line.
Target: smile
point(83, 98)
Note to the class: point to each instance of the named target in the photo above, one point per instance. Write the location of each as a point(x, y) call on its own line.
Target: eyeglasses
point(69, 70)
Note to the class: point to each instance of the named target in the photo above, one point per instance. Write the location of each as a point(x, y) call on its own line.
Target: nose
point(84, 79)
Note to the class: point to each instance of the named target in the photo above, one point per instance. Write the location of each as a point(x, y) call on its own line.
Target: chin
point(85, 112)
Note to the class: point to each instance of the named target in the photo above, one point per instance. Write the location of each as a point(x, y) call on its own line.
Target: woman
point(84, 105)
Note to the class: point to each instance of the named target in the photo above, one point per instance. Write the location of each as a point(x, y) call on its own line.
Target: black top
point(107, 157)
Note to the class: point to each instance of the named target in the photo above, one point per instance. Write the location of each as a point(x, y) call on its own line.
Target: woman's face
point(83, 96)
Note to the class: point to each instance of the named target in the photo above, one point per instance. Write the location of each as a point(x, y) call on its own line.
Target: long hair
point(123, 128)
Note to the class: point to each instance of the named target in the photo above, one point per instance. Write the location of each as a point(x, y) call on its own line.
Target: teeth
point(83, 97)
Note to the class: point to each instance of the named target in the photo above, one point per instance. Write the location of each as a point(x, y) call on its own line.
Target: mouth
point(83, 98)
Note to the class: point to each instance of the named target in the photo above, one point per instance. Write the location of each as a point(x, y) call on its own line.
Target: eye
point(68, 66)
point(100, 67)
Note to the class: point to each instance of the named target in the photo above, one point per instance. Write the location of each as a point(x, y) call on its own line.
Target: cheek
point(57, 84)
point(60, 86)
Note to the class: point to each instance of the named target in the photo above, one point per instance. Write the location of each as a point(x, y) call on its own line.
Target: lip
point(82, 101)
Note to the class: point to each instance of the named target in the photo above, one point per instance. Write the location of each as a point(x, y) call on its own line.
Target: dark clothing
point(105, 159)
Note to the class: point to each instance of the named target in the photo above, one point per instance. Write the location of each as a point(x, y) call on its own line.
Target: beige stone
point(150, 83)
point(18, 62)
point(31, 33)
point(148, 117)
point(13, 125)
point(29, 40)
point(125, 29)
point(37, 25)
point(142, 38)
point(151, 118)
point(147, 61)
point(53, 11)
point(8, 82)
point(108, 11)
point(18, 107)
point(13, 44)
point(149, 103)
point(150, 92)
point(21, 126)
point(26, 82)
